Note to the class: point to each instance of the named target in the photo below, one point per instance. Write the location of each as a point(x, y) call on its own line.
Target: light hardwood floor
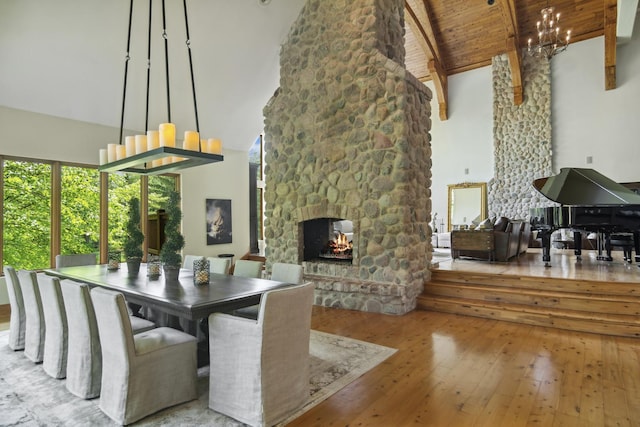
point(454, 370)
point(564, 264)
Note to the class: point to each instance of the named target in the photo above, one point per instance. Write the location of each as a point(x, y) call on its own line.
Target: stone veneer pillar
point(347, 136)
point(522, 138)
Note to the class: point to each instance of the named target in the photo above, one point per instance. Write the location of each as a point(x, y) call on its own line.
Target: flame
point(340, 244)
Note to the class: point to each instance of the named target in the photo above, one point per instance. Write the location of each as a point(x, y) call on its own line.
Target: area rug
point(29, 397)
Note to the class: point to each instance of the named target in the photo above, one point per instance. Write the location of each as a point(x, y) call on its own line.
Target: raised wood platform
point(587, 295)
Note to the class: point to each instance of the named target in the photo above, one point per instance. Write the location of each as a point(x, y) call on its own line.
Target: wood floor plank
point(591, 398)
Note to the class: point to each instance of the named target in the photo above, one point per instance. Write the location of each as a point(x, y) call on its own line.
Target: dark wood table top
point(181, 298)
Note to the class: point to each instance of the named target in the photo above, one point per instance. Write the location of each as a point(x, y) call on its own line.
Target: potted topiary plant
point(133, 242)
point(174, 240)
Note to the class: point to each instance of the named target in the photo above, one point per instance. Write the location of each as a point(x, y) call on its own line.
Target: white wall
point(590, 121)
point(40, 136)
point(225, 180)
point(465, 140)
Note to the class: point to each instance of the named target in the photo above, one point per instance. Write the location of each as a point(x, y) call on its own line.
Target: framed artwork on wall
point(218, 219)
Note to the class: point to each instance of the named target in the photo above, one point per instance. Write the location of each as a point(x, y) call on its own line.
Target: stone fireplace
point(347, 138)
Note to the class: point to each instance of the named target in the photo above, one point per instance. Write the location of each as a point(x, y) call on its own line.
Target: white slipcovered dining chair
point(84, 361)
point(147, 372)
point(187, 262)
point(54, 361)
point(35, 326)
point(284, 272)
point(248, 268)
point(219, 265)
point(74, 260)
point(281, 272)
point(17, 321)
point(259, 371)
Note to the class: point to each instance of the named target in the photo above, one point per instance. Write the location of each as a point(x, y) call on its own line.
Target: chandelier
point(156, 151)
point(550, 42)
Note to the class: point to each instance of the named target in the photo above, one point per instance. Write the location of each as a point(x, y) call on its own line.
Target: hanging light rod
point(156, 152)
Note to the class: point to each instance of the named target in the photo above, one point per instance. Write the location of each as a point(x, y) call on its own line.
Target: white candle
point(121, 152)
point(214, 146)
point(153, 139)
point(191, 139)
point(130, 145)
point(111, 153)
point(104, 158)
point(141, 144)
point(167, 135)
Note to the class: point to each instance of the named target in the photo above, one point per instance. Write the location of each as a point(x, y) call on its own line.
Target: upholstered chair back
point(34, 317)
point(187, 262)
point(219, 265)
point(17, 321)
point(56, 334)
point(248, 268)
point(84, 362)
point(117, 339)
point(75, 260)
point(290, 273)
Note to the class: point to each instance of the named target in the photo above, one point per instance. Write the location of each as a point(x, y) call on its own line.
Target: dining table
point(185, 305)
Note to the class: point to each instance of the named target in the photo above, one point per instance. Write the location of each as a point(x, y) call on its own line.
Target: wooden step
point(611, 308)
point(606, 324)
point(531, 282)
point(597, 303)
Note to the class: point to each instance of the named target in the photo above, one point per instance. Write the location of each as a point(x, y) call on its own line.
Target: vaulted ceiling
point(445, 37)
point(65, 58)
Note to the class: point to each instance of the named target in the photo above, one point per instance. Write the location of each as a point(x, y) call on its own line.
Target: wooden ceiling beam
point(610, 35)
point(438, 74)
point(513, 49)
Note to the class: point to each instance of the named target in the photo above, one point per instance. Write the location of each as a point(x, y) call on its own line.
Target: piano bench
point(625, 242)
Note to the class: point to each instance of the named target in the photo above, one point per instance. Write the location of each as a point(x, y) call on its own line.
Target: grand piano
point(592, 203)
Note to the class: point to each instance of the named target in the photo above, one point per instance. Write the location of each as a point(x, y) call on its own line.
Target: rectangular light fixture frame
point(138, 163)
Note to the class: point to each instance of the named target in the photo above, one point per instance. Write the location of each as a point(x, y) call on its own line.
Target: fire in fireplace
point(328, 239)
point(340, 247)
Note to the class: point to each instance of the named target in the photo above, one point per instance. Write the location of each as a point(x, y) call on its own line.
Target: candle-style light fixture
point(156, 152)
point(550, 42)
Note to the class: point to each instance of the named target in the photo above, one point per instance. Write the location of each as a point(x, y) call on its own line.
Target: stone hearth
point(347, 136)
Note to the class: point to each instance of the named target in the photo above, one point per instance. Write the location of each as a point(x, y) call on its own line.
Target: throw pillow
point(485, 225)
point(501, 224)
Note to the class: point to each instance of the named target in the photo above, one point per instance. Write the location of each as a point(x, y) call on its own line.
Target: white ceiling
point(66, 58)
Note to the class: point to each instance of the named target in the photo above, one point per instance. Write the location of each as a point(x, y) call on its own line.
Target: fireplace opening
point(328, 239)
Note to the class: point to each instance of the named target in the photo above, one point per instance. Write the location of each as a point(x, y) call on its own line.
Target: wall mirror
point(467, 204)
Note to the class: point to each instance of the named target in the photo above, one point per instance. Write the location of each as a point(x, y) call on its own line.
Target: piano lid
point(575, 186)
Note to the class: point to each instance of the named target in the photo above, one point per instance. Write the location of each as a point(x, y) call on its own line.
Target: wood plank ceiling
point(445, 37)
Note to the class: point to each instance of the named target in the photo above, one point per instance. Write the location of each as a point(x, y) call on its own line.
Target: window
point(26, 230)
point(122, 188)
point(159, 188)
point(256, 194)
point(50, 208)
point(79, 210)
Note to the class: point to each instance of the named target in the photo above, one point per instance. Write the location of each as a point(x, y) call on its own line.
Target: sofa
point(501, 240)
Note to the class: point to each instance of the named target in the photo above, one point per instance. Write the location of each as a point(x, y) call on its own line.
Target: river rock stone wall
point(347, 136)
point(522, 138)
